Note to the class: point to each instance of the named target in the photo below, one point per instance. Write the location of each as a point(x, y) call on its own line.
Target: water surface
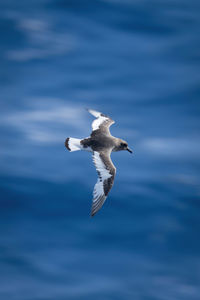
point(137, 61)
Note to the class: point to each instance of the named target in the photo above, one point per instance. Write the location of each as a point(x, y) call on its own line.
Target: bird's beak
point(129, 150)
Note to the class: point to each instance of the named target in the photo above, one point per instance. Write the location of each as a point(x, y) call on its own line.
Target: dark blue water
point(139, 62)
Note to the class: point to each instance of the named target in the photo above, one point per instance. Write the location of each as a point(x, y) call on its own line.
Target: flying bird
point(101, 143)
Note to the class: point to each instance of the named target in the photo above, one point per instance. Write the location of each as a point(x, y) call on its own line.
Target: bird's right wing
point(106, 174)
point(102, 121)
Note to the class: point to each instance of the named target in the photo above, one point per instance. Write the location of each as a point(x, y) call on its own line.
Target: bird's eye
point(123, 144)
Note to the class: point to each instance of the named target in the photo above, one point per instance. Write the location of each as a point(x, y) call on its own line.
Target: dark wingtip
point(93, 213)
point(67, 144)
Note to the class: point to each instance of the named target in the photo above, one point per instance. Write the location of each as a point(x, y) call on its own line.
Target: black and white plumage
point(101, 143)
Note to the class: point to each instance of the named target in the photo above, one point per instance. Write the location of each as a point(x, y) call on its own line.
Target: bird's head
point(122, 145)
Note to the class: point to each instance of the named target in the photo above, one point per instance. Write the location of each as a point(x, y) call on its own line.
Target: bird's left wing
point(102, 121)
point(106, 174)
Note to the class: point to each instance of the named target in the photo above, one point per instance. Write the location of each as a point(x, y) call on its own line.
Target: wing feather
point(102, 121)
point(106, 173)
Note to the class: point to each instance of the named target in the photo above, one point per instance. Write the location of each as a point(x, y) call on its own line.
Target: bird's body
point(98, 142)
point(101, 143)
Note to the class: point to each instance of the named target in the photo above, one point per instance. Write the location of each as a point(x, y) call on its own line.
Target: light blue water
point(137, 61)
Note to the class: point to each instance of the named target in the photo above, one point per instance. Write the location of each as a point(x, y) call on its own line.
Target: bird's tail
point(73, 144)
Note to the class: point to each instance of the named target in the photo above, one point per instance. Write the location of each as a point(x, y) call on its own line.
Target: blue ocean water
point(137, 61)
